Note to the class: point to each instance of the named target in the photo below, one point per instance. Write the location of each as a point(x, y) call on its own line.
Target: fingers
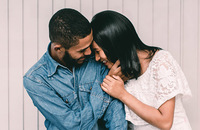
point(107, 81)
point(117, 77)
point(118, 71)
point(109, 78)
point(115, 68)
point(105, 85)
point(104, 88)
point(117, 63)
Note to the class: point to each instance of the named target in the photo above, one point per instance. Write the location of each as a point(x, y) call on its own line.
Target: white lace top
point(162, 81)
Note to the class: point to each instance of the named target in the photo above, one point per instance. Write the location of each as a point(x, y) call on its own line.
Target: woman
point(156, 84)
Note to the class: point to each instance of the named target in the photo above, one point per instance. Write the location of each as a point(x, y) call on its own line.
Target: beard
point(70, 62)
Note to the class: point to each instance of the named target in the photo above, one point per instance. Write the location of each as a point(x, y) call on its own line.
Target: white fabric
point(162, 81)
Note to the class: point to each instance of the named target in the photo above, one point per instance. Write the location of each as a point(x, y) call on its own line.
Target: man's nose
point(87, 51)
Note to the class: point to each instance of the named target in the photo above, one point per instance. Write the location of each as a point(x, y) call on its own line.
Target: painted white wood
point(198, 73)
point(15, 65)
point(174, 30)
point(30, 57)
point(189, 56)
point(99, 5)
point(171, 24)
point(130, 10)
point(145, 21)
point(160, 23)
point(57, 5)
point(4, 110)
point(44, 15)
point(87, 8)
point(116, 5)
point(75, 4)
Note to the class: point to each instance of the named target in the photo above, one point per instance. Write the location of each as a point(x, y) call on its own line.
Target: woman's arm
point(161, 117)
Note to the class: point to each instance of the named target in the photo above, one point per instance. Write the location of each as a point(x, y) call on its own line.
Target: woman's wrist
point(123, 96)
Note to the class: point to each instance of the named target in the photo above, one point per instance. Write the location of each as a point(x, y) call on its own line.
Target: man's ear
point(57, 47)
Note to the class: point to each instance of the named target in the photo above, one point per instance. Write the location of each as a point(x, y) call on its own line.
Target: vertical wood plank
point(115, 5)
point(189, 56)
point(174, 45)
point(44, 15)
point(75, 4)
point(99, 5)
point(198, 73)
point(145, 28)
point(130, 10)
point(30, 58)
point(160, 24)
point(4, 65)
point(165, 23)
point(15, 65)
point(87, 9)
point(57, 5)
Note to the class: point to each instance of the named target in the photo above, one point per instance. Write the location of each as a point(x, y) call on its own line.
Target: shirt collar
point(52, 64)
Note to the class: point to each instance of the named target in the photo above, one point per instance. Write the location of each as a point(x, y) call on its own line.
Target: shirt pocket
point(84, 92)
point(71, 100)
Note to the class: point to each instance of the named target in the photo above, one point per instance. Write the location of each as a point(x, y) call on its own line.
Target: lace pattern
point(162, 81)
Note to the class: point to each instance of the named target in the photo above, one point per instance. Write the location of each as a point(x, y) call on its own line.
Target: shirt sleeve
point(57, 111)
point(114, 115)
point(169, 79)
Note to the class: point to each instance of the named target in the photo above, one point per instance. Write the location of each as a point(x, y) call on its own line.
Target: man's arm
point(115, 116)
point(57, 111)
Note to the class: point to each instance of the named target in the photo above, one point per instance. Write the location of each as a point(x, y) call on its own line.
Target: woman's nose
point(97, 57)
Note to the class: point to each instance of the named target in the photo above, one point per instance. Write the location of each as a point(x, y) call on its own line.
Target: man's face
point(76, 55)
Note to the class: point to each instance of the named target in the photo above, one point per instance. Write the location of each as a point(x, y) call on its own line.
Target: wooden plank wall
point(171, 24)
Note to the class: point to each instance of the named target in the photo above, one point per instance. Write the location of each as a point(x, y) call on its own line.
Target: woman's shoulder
point(162, 54)
point(161, 57)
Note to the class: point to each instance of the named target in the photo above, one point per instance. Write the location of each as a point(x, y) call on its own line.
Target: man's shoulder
point(40, 67)
point(92, 70)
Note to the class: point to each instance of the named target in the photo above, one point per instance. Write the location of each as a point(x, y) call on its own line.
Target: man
point(65, 83)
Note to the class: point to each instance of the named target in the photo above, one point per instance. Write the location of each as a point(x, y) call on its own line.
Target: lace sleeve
point(169, 79)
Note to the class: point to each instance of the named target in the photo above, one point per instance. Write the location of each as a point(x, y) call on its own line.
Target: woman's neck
point(144, 61)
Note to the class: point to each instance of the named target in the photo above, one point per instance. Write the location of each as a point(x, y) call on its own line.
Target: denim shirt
point(73, 100)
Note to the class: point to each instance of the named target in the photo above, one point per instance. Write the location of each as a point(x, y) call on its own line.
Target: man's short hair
point(67, 26)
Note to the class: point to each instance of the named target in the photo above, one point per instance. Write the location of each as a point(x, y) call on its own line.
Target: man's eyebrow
point(84, 49)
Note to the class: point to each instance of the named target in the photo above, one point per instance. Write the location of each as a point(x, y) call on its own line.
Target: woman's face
point(100, 55)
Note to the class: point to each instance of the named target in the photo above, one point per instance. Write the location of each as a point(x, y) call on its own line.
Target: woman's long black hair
point(116, 35)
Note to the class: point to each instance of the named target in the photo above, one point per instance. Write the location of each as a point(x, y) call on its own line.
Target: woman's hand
point(116, 70)
point(114, 86)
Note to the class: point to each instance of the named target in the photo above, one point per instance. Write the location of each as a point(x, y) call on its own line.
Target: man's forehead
point(83, 43)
